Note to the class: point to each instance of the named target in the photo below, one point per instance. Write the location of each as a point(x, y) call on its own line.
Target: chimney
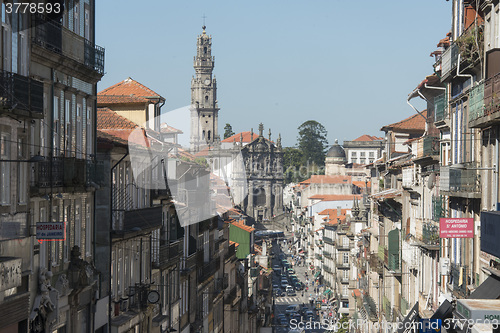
point(339, 211)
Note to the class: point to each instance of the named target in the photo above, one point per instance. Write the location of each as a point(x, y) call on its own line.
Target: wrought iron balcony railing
point(21, 93)
point(440, 108)
point(460, 178)
point(52, 36)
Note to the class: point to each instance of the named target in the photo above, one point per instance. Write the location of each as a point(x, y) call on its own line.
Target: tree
point(292, 160)
point(312, 143)
point(228, 131)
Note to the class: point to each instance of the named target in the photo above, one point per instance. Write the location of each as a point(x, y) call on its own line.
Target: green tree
point(228, 131)
point(312, 143)
point(343, 324)
point(292, 160)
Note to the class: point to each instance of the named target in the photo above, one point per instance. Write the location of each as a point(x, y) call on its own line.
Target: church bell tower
point(204, 108)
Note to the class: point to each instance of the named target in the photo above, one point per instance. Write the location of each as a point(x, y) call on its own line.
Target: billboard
point(456, 227)
point(50, 231)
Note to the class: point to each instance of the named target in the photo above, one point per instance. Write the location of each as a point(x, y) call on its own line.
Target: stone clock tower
point(204, 110)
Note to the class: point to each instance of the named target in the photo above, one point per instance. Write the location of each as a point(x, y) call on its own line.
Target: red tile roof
point(103, 100)
point(335, 197)
point(129, 87)
point(243, 226)
point(366, 137)
point(324, 179)
point(108, 119)
point(246, 137)
point(361, 184)
point(164, 128)
point(414, 123)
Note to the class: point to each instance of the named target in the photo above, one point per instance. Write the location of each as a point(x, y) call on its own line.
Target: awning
point(327, 292)
point(387, 194)
point(444, 311)
point(317, 273)
point(489, 289)
point(411, 317)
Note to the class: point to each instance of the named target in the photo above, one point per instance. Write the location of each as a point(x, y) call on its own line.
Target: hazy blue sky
point(348, 64)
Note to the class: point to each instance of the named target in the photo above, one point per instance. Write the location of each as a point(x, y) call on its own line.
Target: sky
point(349, 65)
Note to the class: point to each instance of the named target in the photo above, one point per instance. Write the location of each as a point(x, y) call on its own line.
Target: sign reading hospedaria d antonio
point(456, 227)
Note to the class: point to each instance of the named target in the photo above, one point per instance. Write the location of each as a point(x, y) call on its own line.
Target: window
point(119, 275)
point(43, 245)
point(78, 227)
point(87, 22)
point(67, 224)
point(55, 246)
point(90, 147)
point(79, 131)
point(67, 127)
point(6, 40)
point(371, 154)
point(113, 273)
point(346, 258)
point(362, 154)
point(22, 170)
point(88, 230)
point(56, 128)
point(353, 154)
point(5, 167)
point(76, 18)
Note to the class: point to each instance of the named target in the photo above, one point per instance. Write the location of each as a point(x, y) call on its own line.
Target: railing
point(370, 307)
point(19, 92)
point(327, 269)
point(68, 171)
point(52, 36)
point(230, 252)
point(328, 240)
point(476, 102)
point(431, 146)
point(430, 233)
point(327, 254)
point(319, 257)
point(460, 278)
point(404, 306)
point(492, 95)
point(440, 108)
point(386, 305)
point(342, 246)
point(460, 178)
point(449, 61)
point(209, 269)
point(437, 208)
point(231, 296)
point(169, 254)
point(343, 265)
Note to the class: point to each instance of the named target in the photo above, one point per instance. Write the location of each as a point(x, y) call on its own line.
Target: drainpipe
point(417, 90)
point(495, 184)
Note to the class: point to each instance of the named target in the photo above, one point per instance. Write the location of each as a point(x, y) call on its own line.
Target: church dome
point(336, 153)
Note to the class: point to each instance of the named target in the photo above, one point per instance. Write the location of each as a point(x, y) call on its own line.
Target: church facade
point(251, 165)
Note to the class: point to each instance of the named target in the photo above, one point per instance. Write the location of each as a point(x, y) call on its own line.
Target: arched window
point(206, 99)
point(203, 135)
point(208, 135)
point(205, 50)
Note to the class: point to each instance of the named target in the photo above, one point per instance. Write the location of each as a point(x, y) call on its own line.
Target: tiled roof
point(108, 119)
point(243, 226)
point(164, 128)
point(324, 179)
point(246, 137)
point(361, 184)
point(103, 137)
point(366, 137)
point(129, 87)
point(203, 152)
point(414, 123)
point(103, 100)
point(335, 197)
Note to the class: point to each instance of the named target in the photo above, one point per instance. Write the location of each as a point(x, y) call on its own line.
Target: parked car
point(275, 286)
point(291, 309)
point(309, 315)
point(291, 292)
point(278, 292)
point(303, 310)
point(299, 286)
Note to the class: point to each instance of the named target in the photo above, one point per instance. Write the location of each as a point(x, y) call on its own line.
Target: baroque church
point(250, 164)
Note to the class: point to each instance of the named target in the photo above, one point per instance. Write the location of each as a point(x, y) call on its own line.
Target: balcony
point(21, 95)
point(430, 234)
point(328, 240)
point(437, 208)
point(459, 276)
point(449, 61)
point(344, 280)
point(208, 269)
point(342, 265)
point(169, 254)
point(440, 110)
point(67, 172)
point(78, 51)
point(344, 247)
point(486, 114)
point(231, 296)
point(327, 254)
point(327, 269)
point(476, 102)
point(461, 180)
